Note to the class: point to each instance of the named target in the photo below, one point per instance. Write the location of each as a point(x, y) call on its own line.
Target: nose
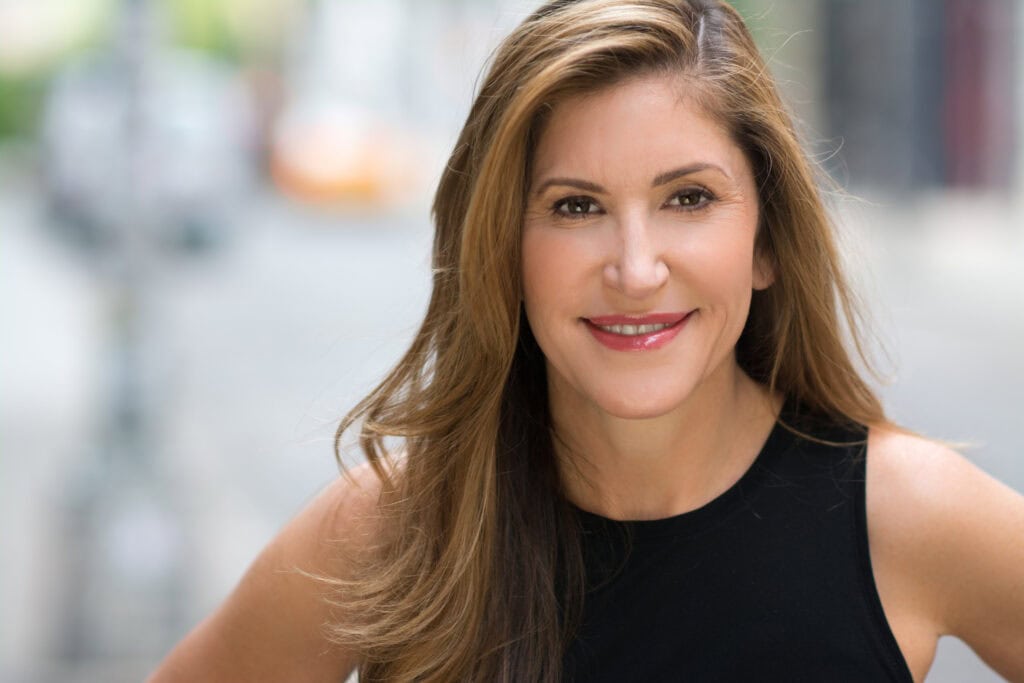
point(636, 267)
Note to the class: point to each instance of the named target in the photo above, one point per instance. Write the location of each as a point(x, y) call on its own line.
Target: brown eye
point(575, 207)
point(690, 199)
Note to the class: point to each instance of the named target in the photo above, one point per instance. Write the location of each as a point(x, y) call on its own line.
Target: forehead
point(641, 126)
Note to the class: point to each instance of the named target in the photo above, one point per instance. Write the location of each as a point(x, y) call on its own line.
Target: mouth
point(634, 330)
point(636, 333)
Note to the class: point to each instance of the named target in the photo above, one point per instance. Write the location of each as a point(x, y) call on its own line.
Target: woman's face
point(638, 249)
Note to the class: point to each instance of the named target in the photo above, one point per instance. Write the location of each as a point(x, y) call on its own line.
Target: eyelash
point(703, 196)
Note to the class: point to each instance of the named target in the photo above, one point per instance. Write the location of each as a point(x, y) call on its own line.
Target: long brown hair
point(478, 575)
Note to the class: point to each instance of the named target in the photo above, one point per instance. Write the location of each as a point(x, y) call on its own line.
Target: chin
point(646, 407)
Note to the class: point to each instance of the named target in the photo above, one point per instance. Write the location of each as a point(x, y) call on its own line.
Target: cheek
point(548, 262)
point(533, 268)
point(724, 264)
point(539, 276)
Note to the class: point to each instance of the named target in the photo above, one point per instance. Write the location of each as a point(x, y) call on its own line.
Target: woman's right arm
point(271, 627)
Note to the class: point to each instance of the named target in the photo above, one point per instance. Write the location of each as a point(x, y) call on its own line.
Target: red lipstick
point(621, 333)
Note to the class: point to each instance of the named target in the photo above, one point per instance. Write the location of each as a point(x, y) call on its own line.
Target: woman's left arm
point(961, 537)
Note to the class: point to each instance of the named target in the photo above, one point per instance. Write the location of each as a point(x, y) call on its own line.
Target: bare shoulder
point(949, 540)
point(271, 627)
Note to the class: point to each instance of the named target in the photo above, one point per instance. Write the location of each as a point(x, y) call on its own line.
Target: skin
point(946, 540)
point(270, 627)
point(606, 234)
point(947, 550)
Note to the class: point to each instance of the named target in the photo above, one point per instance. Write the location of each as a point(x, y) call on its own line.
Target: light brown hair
point(478, 575)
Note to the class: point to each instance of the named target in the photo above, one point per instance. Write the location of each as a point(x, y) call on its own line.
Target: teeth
point(634, 330)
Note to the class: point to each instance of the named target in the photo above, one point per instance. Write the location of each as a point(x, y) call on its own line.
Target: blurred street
point(259, 357)
point(213, 242)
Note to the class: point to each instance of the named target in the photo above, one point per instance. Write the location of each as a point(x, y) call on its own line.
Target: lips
point(636, 333)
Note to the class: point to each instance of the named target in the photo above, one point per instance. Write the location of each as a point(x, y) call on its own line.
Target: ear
point(764, 270)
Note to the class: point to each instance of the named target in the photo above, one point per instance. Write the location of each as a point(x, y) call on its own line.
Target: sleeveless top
point(771, 581)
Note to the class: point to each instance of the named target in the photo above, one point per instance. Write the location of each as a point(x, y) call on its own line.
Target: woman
point(634, 438)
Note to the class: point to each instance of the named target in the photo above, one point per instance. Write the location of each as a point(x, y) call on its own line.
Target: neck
point(663, 466)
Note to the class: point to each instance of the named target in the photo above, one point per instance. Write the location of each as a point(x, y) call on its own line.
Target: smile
point(633, 330)
point(636, 333)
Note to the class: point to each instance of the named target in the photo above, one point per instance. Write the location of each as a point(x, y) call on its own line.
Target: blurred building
point(924, 94)
point(195, 190)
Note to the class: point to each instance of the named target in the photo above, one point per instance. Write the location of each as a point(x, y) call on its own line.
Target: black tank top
point(771, 581)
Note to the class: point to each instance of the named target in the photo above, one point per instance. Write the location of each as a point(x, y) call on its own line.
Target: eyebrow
point(659, 180)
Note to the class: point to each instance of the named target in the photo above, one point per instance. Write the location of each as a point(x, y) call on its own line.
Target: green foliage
point(24, 83)
point(21, 103)
point(753, 12)
point(200, 25)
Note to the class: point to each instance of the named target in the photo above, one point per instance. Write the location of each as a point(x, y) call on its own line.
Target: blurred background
point(214, 238)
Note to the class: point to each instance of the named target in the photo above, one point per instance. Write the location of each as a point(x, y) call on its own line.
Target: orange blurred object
point(334, 156)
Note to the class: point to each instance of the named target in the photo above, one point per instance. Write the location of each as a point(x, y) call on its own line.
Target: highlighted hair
point(478, 574)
